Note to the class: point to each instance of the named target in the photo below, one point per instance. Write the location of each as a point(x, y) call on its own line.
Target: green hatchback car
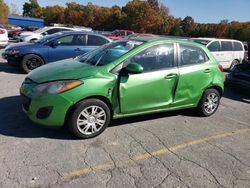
point(124, 78)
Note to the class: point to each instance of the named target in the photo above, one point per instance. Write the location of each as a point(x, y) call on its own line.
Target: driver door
point(153, 88)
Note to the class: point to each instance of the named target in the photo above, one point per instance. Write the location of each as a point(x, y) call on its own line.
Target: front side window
point(66, 40)
point(191, 55)
point(214, 46)
point(237, 46)
point(155, 58)
point(226, 46)
point(96, 40)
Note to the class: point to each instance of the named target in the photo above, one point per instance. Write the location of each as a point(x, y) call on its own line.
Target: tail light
point(2, 31)
point(221, 68)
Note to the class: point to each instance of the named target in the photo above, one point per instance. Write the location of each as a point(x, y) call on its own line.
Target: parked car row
point(29, 36)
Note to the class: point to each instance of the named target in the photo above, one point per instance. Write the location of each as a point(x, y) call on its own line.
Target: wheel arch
point(218, 88)
point(100, 97)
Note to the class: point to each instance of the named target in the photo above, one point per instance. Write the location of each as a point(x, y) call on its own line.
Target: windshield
point(201, 41)
point(108, 53)
point(47, 38)
point(41, 30)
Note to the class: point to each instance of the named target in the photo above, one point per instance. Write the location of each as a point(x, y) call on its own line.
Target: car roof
point(210, 39)
point(84, 33)
point(156, 38)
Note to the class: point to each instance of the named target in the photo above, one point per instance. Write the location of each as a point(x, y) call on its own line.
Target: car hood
point(62, 70)
point(20, 45)
point(24, 33)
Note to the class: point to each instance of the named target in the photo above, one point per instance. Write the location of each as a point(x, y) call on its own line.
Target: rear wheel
point(89, 118)
point(209, 102)
point(31, 62)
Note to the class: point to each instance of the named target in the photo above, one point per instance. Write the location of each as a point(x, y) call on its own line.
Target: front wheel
point(209, 102)
point(31, 62)
point(89, 118)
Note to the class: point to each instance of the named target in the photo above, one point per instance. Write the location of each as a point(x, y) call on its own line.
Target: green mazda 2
point(124, 78)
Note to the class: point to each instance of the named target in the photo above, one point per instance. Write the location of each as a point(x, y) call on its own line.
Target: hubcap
point(211, 103)
point(91, 120)
point(33, 63)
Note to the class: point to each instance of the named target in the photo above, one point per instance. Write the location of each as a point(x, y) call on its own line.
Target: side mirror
point(55, 43)
point(45, 33)
point(134, 68)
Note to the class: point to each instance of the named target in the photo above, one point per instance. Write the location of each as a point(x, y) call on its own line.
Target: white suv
point(226, 51)
point(28, 36)
point(3, 37)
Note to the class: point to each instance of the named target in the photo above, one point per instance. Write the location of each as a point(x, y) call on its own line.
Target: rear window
point(226, 46)
point(237, 46)
point(96, 40)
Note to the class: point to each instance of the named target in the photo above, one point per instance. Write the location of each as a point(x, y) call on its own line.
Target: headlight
point(14, 52)
point(57, 86)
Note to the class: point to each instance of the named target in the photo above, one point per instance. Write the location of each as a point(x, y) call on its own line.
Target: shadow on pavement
point(13, 122)
point(237, 94)
point(4, 67)
point(16, 124)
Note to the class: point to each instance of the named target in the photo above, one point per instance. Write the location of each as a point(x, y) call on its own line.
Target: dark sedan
point(240, 77)
point(52, 48)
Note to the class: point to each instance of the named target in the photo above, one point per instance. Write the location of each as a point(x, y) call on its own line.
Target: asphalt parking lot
point(174, 149)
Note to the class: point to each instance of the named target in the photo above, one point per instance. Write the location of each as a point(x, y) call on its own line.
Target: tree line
point(140, 16)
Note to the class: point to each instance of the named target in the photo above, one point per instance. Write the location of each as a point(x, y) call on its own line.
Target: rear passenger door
point(227, 54)
point(238, 50)
point(195, 74)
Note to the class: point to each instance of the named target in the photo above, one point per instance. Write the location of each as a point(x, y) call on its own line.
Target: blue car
point(52, 48)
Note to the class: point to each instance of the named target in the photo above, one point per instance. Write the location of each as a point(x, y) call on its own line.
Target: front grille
point(26, 102)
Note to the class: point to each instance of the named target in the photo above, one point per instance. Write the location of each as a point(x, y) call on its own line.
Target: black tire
point(235, 62)
point(76, 114)
point(31, 62)
point(203, 105)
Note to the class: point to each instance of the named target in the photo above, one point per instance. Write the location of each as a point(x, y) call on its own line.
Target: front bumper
point(44, 109)
point(14, 60)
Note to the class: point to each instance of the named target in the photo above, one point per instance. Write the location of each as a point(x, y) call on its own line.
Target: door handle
point(170, 76)
point(207, 70)
point(78, 50)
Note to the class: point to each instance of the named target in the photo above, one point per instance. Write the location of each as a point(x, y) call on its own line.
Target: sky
point(203, 11)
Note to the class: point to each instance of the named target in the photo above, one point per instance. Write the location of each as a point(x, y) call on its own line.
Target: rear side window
point(214, 46)
point(96, 40)
point(226, 46)
point(155, 58)
point(237, 46)
point(191, 55)
point(80, 40)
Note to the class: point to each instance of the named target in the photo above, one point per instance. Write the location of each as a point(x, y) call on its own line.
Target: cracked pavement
point(174, 149)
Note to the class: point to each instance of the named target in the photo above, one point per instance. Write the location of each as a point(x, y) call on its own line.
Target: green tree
point(188, 25)
point(32, 9)
point(53, 14)
point(4, 11)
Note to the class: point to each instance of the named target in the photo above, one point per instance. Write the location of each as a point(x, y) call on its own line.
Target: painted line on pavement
point(108, 166)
